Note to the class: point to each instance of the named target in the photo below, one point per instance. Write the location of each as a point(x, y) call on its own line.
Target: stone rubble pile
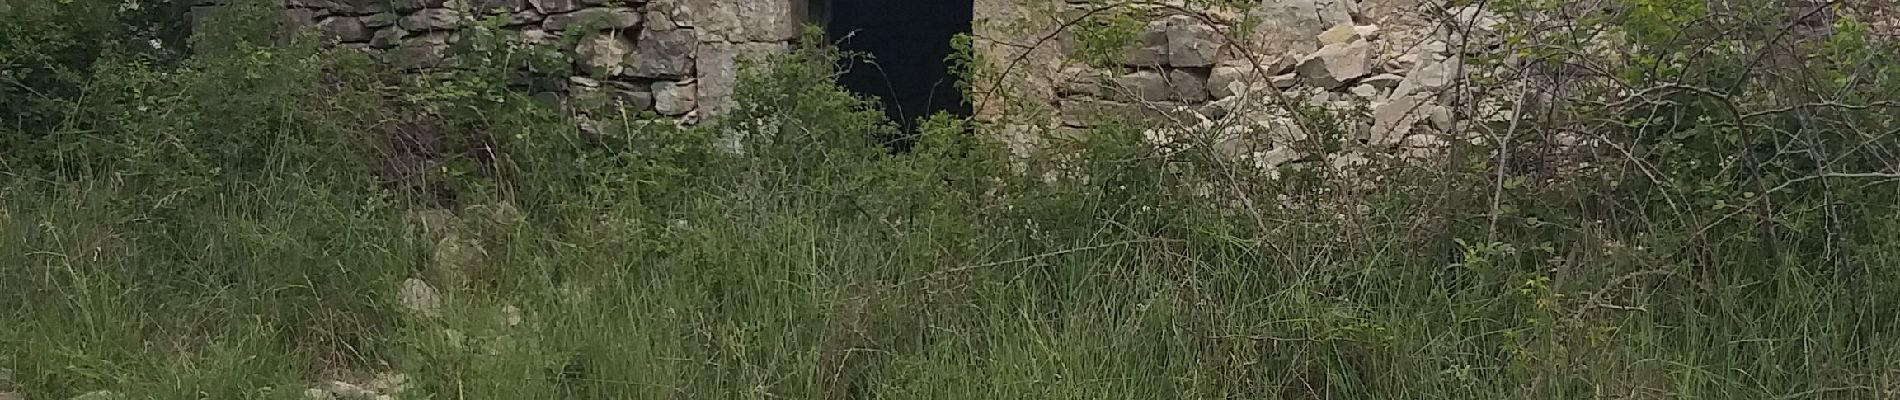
point(675, 58)
point(1391, 84)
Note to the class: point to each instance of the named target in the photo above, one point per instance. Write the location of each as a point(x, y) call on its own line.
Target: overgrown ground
point(237, 224)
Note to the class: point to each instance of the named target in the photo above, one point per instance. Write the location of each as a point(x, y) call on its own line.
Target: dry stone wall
point(676, 58)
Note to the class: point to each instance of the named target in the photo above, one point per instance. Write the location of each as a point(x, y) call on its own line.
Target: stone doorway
point(907, 42)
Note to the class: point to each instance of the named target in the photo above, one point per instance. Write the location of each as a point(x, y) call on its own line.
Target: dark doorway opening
point(907, 42)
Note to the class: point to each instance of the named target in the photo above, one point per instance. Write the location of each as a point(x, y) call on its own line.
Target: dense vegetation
point(236, 221)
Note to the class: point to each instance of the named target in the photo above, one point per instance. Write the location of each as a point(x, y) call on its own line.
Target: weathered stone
point(603, 53)
point(673, 98)
point(1150, 49)
point(433, 19)
point(1221, 82)
point(497, 6)
point(301, 17)
point(718, 69)
point(744, 21)
point(1081, 81)
point(535, 36)
point(1364, 91)
point(1189, 85)
point(594, 18)
point(1084, 113)
point(1337, 64)
point(663, 54)
point(1144, 86)
point(551, 7)
point(387, 38)
point(1285, 81)
point(669, 14)
point(423, 51)
point(1428, 77)
point(1393, 119)
point(1191, 43)
point(343, 29)
point(525, 17)
point(380, 20)
point(1291, 26)
point(418, 297)
point(1383, 81)
point(409, 6)
point(1342, 33)
point(629, 96)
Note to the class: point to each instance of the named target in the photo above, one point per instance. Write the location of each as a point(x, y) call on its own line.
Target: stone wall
point(677, 58)
point(1379, 58)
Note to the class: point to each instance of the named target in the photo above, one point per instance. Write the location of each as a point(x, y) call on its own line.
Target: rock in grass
point(418, 297)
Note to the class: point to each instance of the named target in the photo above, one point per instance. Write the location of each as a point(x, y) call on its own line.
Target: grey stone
point(343, 29)
point(1337, 64)
point(1220, 81)
point(1393, 119)
point(1191, 43)
point(424, 51)
point(1341, 33)
point(1144, 86)
point(420, 298)
point(1189, 85)
point(594, 18)
point(629, 96)
point(603, 53)
point(408, 6)
point(525, 17)
point(1285, 81)
point(1364, 91)
point(301, 17)
point(380, 20)
point(1079, 81)
point(744, 21)
point(10, 395)
point(1427, 77)
point(663, 54)
point(551, 7)
point(718, 69)
point(674, 98)
point(497, 6)
point(1383, 81)
point(433, 19)
point(386, 38)
point(1150, 49)
point(1291, 26)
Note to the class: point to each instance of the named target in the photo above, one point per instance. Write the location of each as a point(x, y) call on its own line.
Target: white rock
point(1285, 81)
point(674, 98)
point(1393, 119)
point(1383, 81)
point(1365, 91)
point(1427, 78)
point(510, 315)
point(603, 53)
point(418, 297)
point(1337, 64)
point(1339, 34)
point(1145, 86)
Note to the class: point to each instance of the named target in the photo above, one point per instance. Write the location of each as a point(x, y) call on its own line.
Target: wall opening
point(907, 42)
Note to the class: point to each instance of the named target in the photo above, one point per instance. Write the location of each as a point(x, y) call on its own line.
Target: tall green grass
point(644, 263)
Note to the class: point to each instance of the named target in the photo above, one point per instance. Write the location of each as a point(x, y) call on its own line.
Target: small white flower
point(156, 45)
point(129, 5)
